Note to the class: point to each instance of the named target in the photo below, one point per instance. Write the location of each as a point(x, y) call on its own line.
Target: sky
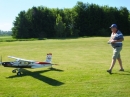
point(9, 9)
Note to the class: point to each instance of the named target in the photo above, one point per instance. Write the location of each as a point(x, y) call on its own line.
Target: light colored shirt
point(117, 36)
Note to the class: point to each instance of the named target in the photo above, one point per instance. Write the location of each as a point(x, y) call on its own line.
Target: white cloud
point(6, 26)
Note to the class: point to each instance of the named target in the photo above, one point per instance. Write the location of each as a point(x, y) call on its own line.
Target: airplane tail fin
point(49, 57)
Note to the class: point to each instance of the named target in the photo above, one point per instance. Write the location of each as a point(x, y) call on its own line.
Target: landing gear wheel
point(14, 71)
point(19, 73)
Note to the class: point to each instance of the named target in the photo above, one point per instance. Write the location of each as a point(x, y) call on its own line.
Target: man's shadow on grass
point(42, 78)
point(122, 73)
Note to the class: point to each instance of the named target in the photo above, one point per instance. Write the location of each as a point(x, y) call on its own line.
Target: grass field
point(81, 71)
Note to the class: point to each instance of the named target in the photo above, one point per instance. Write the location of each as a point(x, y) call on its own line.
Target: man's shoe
point(109, 71)
point(121, 70)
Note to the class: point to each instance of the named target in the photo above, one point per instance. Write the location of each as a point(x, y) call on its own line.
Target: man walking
point(116, 42)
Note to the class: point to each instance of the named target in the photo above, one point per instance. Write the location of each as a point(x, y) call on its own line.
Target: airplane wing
point(13, 57)
point(20, 59)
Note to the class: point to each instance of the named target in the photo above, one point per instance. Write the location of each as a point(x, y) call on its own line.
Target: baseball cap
point(113, 26)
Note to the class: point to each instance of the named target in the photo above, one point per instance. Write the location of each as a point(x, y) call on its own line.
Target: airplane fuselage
point(26, 64)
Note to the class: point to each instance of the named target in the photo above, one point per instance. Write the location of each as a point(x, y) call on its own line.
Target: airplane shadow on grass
point(42, 78)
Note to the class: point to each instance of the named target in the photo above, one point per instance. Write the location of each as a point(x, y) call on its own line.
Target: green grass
point(81, 71)
point(10, 39)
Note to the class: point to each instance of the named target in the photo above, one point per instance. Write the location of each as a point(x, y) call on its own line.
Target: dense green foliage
point(83, 19)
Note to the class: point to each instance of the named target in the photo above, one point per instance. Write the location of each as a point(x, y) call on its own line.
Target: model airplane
point(23, 63)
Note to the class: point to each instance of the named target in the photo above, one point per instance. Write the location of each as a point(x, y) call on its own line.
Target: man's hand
point(113, 41)
point(109, 42)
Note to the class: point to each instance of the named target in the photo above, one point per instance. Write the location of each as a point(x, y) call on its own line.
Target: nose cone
point(6, 64)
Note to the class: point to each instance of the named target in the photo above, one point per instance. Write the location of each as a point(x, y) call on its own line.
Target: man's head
point(114, 28)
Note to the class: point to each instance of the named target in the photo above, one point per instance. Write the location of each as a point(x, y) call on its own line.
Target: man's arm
point(120, 40)
point(110, 39)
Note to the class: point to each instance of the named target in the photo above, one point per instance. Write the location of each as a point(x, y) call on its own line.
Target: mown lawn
point(81, 71)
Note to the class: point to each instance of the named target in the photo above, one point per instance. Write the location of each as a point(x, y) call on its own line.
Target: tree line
point(5, 33)
point(83, 19)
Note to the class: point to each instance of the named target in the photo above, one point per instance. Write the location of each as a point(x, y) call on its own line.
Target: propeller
point(1, 60)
